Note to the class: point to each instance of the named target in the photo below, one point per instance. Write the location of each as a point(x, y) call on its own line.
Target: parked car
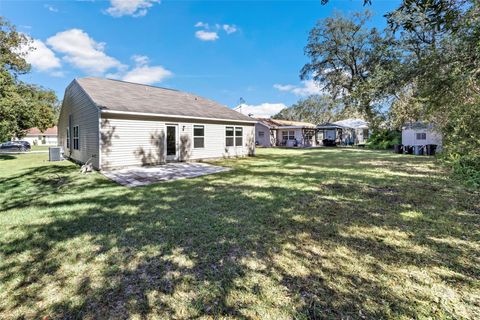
point(13, 146)
point(26, 144)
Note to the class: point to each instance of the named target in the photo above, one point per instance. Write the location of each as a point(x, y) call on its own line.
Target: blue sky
point(222, 50)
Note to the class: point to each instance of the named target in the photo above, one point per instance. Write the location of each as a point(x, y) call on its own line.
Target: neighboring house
point(46, 138)
point(420, 134)
point(329, 131)
point(117, 123)
point(346, 132)
point(274, 132)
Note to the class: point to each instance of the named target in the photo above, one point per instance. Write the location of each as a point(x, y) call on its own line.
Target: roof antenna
point(241, 102)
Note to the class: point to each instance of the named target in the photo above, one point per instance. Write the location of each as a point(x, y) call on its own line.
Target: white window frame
point(202, 137)
point(290, 134)
point(234, 137)
point(422, 135)
point(230, 137)
point(76, 138)
point(238, 137)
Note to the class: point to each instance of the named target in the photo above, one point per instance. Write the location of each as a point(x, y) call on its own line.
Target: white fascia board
point(174, 116)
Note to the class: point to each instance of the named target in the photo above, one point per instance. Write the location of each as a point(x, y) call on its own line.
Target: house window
point(261, 134)
point(229, 136)
point(198, 136)
point(233, 136)
point(76, 138)
point(238, 136)
point(288, 135)
point(68, 138)
point(421, 136)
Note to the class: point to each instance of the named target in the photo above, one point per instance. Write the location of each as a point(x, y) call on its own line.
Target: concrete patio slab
point(142, 176)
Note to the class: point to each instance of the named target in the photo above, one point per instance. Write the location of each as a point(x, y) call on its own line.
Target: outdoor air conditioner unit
point(55, 154)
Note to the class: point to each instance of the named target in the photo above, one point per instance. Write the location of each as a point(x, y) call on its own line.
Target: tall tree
point(352, 61)
point(22, 105)
point(315, 109)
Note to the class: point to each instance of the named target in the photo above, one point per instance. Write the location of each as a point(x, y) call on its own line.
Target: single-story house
point(421, 134)
point(346, 132)
point(36, 137)
point(275, 132)
point(116, 124)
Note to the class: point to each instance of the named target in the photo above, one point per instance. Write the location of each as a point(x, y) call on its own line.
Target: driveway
point(142, 176)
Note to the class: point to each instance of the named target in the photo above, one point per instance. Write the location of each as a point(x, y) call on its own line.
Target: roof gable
point(127, 97)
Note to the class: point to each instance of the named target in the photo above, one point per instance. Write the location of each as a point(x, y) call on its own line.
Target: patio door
point(171, 142)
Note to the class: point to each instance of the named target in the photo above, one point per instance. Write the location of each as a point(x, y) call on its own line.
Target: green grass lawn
point(319, 233)
point(40, 148)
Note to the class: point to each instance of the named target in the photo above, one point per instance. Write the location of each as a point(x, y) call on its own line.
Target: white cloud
point(229, 28)
point(50, 8)
point(200, 24)
point(308, 88)
point(147, 74)
point(134, 8)
point(140, 60)
point(264, 110)
point(206, 35)
point(210, 33)
point(142, 72)
point(82, 51)
point(41, 57)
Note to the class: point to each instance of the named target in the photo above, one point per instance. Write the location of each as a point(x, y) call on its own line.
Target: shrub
point(466, 167)
point(384, 139)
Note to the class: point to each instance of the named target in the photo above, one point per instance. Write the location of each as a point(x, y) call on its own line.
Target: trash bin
point(398, 148)
point(430, 149)
point(418, 150)
point(408, 149)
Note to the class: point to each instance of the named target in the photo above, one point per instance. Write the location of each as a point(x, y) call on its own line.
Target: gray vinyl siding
point(266, 140)
point(126, 142)
point(84, 114)
point(215, 142)
point(140, 140)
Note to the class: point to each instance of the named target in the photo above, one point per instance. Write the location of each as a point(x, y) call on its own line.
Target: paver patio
point(142, 176)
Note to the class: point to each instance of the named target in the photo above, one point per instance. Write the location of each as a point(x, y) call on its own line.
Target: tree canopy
point(22, 105)
point(351, 61)
point(425, 66)
point(316, 109)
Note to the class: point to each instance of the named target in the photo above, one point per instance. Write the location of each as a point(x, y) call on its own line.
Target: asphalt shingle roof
point(48, 132)
point(115, 95)
point(284, 123)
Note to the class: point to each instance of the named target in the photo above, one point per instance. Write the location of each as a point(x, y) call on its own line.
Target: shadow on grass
point(246, 243)
point(7, 157)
